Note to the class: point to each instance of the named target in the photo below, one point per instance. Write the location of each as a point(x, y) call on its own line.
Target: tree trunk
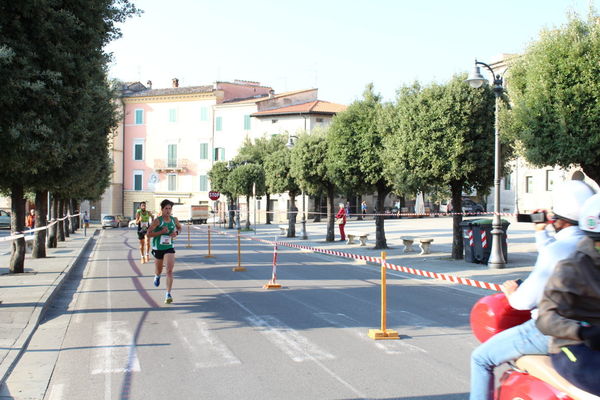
point(231, 214)
point(67, 221)
point(380, 241)
point(76, 207)
point(248, 213)
point(318, 208)
point(61, 225)
point(71, 219)
point(330, 214)
point(457, 237)
point(292, 213)
point(53, 230)
point(359, 208)
point(41, 209)
point(17, 224)
point(269, 216)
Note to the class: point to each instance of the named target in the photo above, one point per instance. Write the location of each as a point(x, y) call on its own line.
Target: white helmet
point(568, 199)
point(589, 222)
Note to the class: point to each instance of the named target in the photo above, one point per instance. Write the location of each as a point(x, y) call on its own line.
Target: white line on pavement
point(203, 346)
point(296, 346)
point(56, 393)
point(114, 342)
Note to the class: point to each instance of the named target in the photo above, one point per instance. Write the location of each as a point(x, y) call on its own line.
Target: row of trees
point(59, 109)
point(438, 138)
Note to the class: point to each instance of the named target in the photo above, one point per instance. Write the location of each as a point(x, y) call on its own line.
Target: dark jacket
point(572, 295)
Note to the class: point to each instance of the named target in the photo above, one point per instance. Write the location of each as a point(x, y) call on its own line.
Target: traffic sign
point(214, 195)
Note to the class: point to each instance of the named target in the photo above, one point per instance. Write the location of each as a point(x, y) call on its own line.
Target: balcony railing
point(163, 165)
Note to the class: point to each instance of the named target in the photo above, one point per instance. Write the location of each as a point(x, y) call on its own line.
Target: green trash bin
point(477, 239)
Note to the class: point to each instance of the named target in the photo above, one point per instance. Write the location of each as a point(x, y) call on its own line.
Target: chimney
point(271, 93)
point(175, 82)
point(149, 84)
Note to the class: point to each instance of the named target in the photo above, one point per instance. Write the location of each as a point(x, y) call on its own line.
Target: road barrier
point(383, 333)
point(378, 260)
point(189, 243)
point(272, 284)
point(19, 235)
point(209, 255)
point(239, 267)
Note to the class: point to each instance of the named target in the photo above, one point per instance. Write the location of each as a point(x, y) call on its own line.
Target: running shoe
point(168, 298)
point(143, 260)
point(156, 280)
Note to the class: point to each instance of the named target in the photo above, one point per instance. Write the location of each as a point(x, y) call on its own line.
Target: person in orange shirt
point(30, 219)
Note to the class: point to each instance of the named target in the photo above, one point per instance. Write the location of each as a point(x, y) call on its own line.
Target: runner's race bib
point(144, 225)
point(165, 239)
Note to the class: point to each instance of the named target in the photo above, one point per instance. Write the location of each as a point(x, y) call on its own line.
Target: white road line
point(394, 347)
point(296, 346)
point(114, 340)
point(203, 346)
point(319, 363)
point(56, 393)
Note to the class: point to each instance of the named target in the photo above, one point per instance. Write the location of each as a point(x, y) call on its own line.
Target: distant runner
point(162, 231)
point(143, 219)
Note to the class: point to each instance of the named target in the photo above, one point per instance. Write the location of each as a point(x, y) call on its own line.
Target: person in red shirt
point(340, 219)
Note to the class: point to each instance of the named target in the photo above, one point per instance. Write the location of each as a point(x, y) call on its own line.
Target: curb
point(20, 345)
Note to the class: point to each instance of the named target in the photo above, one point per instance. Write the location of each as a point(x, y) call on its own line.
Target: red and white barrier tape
point(378, 260)
point(19, 235)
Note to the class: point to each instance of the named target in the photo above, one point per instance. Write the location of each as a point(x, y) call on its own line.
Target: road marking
point(56, 393)
point(389, 346)
point(115, 345)
point(204, 347)
point(296, 346)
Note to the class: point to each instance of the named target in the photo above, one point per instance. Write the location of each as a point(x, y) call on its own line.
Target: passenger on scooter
point(570, 307)
point(526, 338)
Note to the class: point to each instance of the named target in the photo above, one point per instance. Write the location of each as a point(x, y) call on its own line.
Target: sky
point(336, 46)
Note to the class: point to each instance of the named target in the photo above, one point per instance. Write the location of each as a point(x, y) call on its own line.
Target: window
point(274, 121)
point(246, 122)
point(203, 183)
point(139, 117)
point(507, 182)
point(172, 156)
point(528, 184)
point(172, 115)
point(138, 150)
point(138, 178)
point(172, 182)
point(219, 123)
point(204, 114)
point(319, 120)
point(204, 151)
point(550, 178)
point(219, 154)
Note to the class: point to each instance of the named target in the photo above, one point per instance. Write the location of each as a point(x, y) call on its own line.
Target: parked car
point(114, 221)
point(468, 206)
point(4, 219)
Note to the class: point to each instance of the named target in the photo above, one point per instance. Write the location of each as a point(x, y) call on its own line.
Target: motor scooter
point(530, 377)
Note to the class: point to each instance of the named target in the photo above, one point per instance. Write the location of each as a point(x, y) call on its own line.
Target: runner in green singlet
point(143, 219)
point(162, 231)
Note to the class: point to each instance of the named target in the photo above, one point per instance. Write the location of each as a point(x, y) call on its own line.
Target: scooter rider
point(570, 307)
point(526, 338)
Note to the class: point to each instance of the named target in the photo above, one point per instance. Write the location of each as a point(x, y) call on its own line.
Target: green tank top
point(163, 242)
point(144, 219)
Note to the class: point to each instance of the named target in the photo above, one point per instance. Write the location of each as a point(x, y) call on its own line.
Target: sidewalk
point(522, 252)
point(25, 297)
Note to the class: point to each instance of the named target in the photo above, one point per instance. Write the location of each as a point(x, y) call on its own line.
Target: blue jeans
point(505, 346)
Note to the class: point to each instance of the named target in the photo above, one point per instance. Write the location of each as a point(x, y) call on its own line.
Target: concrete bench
point(424, 244)
point(284, 229)
point(361, 236)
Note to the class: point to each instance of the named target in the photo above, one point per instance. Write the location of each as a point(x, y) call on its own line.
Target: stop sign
point(214, 195)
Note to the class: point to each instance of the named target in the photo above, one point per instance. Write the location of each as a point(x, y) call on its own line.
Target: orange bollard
point(239, 267)
point(383, 333)
point(189, 243)
point(209, 255)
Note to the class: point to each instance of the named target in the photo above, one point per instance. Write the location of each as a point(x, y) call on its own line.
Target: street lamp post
point(477, 80)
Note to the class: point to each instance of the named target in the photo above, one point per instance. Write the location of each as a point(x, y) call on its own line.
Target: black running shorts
point(159, 254)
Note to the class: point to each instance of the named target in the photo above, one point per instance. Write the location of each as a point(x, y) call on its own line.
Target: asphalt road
point(109, 335)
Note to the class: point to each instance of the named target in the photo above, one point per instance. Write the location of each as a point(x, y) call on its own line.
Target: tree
point(555, 92)
point(247, 180)
point(442, 135)
point(279, 180)
point(309, 168)
point(354, 154)
point(257, 152)
point(218, 175)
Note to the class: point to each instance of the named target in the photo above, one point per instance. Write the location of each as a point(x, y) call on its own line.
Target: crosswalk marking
point(296, 346)
point(115, 350)
point(206, 349)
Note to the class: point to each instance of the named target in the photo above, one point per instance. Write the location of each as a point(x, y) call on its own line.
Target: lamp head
point(475, 79)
